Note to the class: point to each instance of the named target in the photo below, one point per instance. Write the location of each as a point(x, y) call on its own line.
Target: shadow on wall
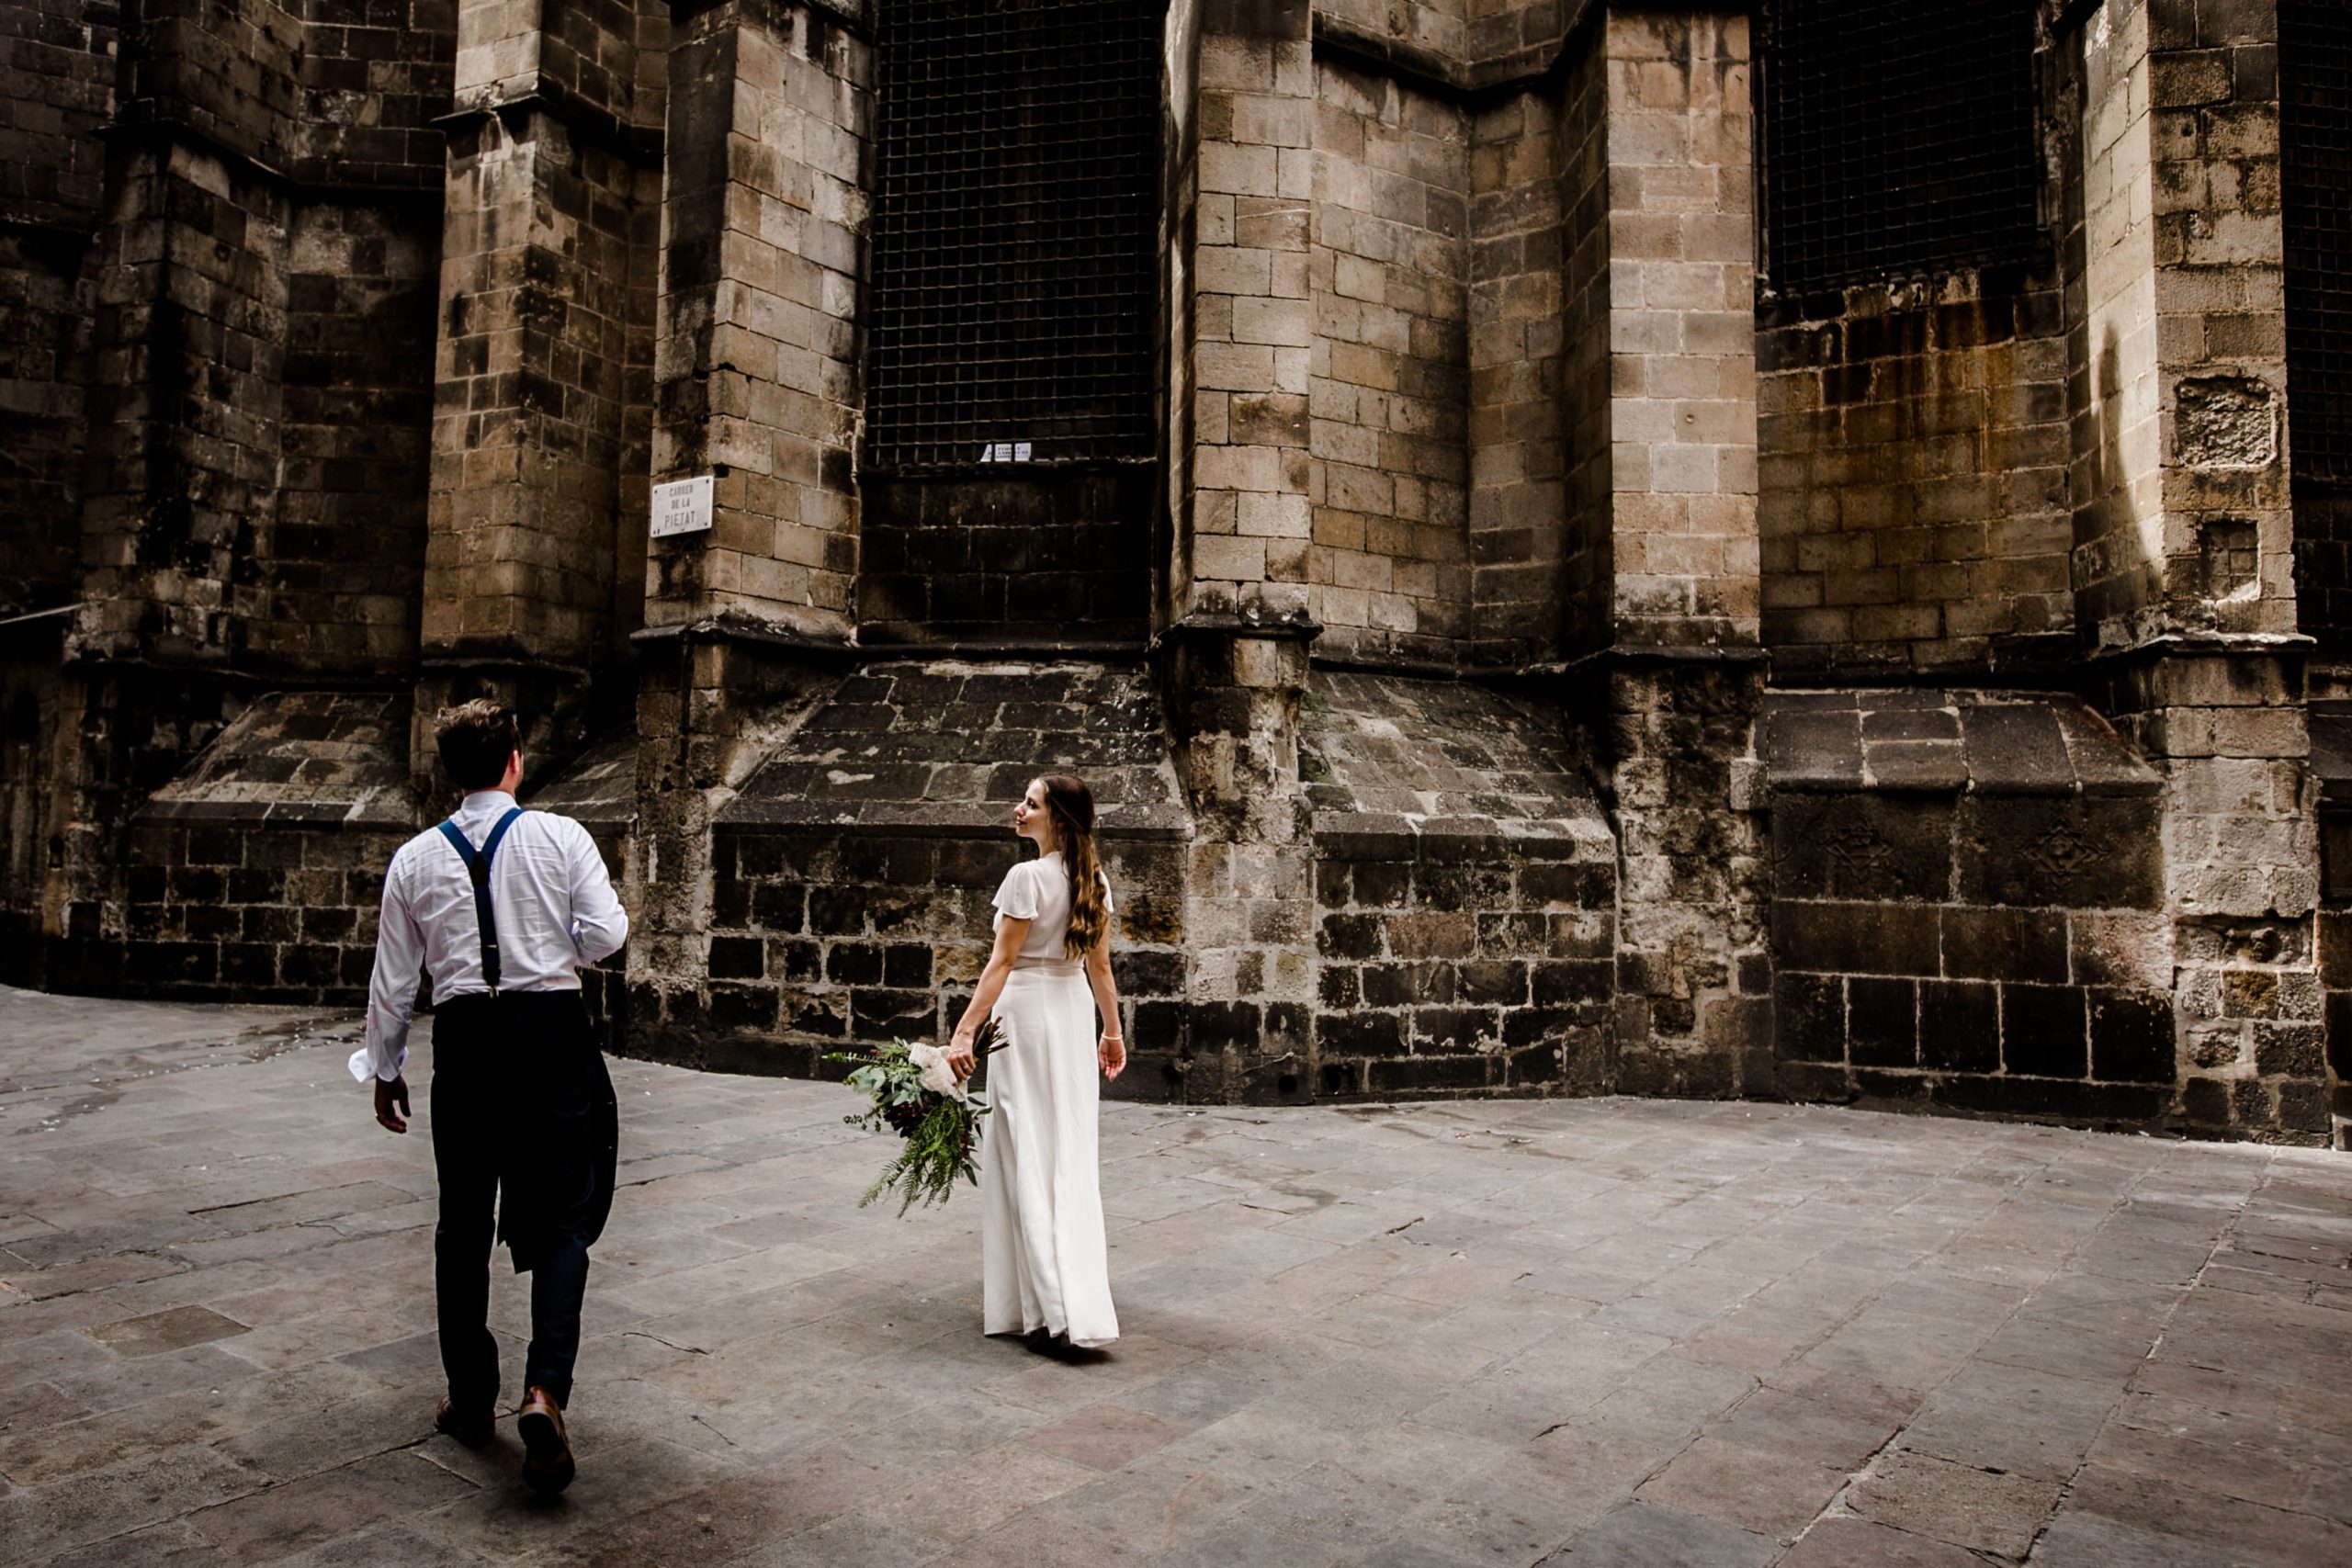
point(2116, 578)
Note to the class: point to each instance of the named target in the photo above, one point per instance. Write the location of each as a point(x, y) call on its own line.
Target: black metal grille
point(1898, 139)
point(1015, 232)
point(2315, 87)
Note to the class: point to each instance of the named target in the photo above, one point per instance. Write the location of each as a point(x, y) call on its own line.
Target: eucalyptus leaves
point(913, 1092)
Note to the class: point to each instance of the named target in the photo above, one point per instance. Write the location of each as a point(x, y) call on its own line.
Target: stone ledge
point(948, 819)
point(598, 788)
point(1395, 757)
point(300, 759)
point(944, 747)
point(1379, 835)
point(367, 816)
point(1960, 742)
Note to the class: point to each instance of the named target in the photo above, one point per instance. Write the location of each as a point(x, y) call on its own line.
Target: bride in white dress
point(1044, 1262)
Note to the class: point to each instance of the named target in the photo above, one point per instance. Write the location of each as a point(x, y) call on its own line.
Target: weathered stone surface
point(1930, 740)
point(1464, 895)
point(344, 363)
point(959, 741)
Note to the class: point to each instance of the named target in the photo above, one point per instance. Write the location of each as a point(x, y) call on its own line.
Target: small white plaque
point(681, 506)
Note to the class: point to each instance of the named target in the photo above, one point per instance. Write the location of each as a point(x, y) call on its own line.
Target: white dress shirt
point(552, 902)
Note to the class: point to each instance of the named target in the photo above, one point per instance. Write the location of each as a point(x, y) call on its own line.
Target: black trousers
point(524, 1145)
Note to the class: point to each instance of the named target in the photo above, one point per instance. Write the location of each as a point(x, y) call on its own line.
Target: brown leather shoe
point(547, 1455)
point(472, 1427)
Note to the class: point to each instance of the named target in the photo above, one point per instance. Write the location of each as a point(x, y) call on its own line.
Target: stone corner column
point(1685, 673)
point(539, 330)
point(1682, 365)
point(756, 384)
point(2184, 564)
point(756, 374)
point(1232, 653)
point(1234, 688)
point(1246, 317)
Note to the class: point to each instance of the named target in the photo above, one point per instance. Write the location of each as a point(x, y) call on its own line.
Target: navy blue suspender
point(477, 867)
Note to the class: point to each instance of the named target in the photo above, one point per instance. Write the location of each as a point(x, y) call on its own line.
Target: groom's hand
point(392, 1104)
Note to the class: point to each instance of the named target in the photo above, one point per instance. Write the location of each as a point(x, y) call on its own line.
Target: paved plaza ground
point(1607, 1331)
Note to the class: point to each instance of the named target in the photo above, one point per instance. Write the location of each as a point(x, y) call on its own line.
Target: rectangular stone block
point(1809, 1017)
point(2006, 944)
point(1882, 1023)
point(2044, 1031)
point(2085, 852)
point(1960, 1027)
point(1862, 846)
point(1856, 938)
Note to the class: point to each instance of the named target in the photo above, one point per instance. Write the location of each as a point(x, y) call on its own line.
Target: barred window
point(1015, 232)
point(1898, 139)
point(2315, 90)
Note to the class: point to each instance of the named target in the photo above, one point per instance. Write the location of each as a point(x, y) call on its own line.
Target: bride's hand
point(959, 1054)
point(1112, 1050)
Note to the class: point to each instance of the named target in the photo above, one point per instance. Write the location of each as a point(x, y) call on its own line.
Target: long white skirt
point(1044, 1261)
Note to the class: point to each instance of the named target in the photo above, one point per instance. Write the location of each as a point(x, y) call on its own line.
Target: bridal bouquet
point(913, 1093)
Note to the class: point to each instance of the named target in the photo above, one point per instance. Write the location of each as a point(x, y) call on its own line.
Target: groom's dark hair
point(475, 738)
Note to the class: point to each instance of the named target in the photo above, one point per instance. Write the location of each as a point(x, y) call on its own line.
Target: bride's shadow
point(1054, 1348)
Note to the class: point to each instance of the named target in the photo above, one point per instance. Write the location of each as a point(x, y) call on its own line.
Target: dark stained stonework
point(851, 874)
point(949, 746)
point(1062, 556)
point(1951, 872)
point(1465, 892)
point(1532, 653)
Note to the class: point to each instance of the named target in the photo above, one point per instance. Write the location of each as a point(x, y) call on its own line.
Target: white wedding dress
point(1044, 1260)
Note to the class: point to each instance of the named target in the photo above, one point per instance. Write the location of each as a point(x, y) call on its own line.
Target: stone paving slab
point(1609, 1332)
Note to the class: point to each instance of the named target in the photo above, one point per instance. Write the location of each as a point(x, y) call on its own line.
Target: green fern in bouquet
point(912, 1091)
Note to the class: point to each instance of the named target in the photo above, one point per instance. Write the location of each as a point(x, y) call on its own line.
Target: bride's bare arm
point(1009, 934)
point(1114, 1047)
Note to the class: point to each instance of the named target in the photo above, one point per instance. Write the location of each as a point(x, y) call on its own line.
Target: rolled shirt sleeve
point(391, 990)
point(599, 924)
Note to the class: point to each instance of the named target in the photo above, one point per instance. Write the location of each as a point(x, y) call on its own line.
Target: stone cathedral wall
point(1548, 651)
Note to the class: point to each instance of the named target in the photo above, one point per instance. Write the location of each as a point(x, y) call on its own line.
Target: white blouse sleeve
point(1108, 904)
point(1017, 896)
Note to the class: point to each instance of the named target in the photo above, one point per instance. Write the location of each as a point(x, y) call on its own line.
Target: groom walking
point(501, 906)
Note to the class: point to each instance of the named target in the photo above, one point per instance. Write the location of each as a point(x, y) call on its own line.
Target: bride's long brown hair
point(1072, 805)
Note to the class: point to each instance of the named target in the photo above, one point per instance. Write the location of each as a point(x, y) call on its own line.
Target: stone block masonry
point(1970, 910)
point(1915, 445)
point(1464, 898)
point(260, 873)
point(1249, 518)
point(541, 413)
point(191, 285)
point(1423, 669)
point(59, 73)
point(2242, 864)
point(1387, 398)
point(852, 874)
point(1570, 188)
point(349, 538)
point(755, 368)
point(1682, 433)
